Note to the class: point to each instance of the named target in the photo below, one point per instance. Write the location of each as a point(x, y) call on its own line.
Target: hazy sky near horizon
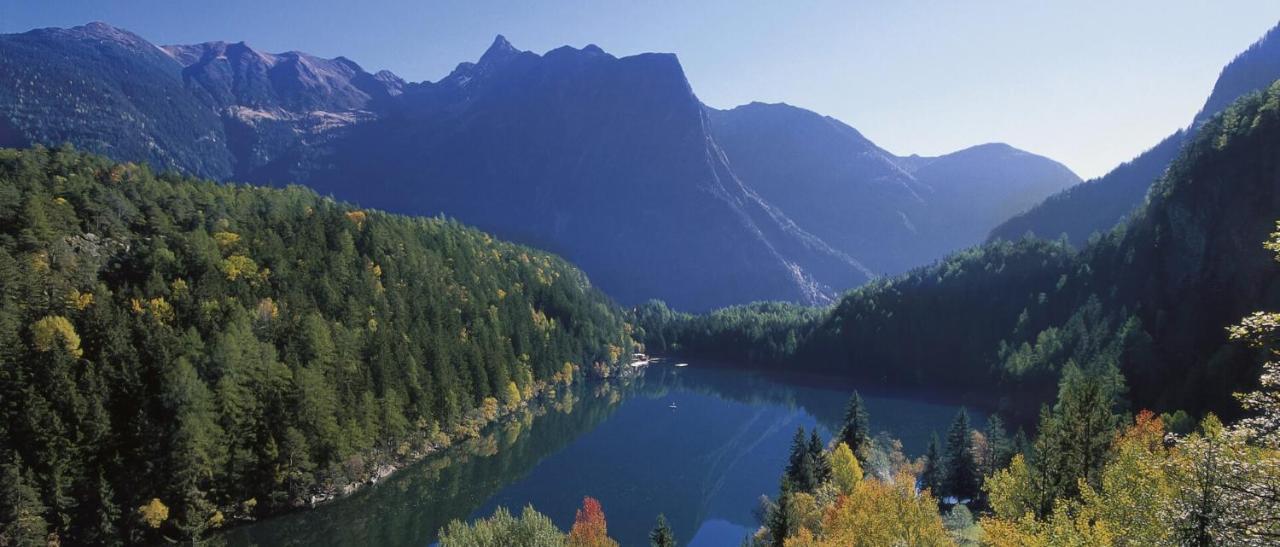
point(1088, 83)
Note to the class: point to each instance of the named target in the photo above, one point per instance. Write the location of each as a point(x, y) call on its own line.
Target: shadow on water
point(704, 463)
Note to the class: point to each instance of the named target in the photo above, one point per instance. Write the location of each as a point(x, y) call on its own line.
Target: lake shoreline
point(696, 443)
point(389, 464)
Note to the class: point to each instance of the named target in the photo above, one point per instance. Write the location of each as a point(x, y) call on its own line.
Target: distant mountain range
point(1101, 203)
point(894, 213)
point(612, 162)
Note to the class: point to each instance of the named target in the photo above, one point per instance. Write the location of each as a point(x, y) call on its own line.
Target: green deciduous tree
point(845, 471)
point(530, 529)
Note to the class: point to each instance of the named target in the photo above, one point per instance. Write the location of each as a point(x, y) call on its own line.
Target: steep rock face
point(236, 74)
point(274, 106)
point(893, 213)
point(1100, 204)
point(828, 177)
point(608, 161)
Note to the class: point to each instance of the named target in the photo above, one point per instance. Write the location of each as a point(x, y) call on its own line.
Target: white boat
point(672, 406)
point(682, 364)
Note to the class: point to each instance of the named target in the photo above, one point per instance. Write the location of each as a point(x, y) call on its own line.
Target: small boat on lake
point(672, 406)
point(682, 364)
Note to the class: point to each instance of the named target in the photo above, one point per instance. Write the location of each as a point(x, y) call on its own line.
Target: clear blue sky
point(1089, 83)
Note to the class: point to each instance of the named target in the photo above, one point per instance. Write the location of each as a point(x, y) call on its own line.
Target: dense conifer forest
point(176, 354)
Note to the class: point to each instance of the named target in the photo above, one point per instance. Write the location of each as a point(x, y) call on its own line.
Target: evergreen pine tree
point(857, 427)
point(931, 475)
point(661, 536)
point(779, 521)
point(105, 531)
point(1076, 434)
point(800, 473)
point(1000, 448)
point(960, 478)
point(21, 511)
point(1020, 445)
point(818, 459)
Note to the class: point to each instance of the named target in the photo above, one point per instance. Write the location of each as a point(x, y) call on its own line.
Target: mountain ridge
point(892, 212)
point(1099, 204)
point(611, 161)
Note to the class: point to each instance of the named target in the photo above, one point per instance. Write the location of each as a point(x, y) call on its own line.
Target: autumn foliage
point(589, 527)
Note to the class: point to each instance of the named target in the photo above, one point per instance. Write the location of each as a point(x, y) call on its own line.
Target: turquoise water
point(704, 464)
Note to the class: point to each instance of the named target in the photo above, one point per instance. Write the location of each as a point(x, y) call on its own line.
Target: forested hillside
point(1099, 204)
point(56, 87)
point(1153, 297)
point(176, 354)
point(1096, 205)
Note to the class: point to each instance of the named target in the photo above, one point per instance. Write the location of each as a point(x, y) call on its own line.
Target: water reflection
point(412, 505)
point(704, 463)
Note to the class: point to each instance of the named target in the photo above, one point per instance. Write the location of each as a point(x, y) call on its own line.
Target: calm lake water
point(704, 464)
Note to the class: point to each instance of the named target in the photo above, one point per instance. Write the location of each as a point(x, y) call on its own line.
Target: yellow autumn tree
point(1067, 526)
point(161, 309)
point(1133, 506)
point(1012, 492)
point(1136, 498)
point(56, 329)
point(268, 310)
point(511, 396)
point(154, 513)
point(358, 217)
point(226, 240)
point(845, 471)
point(565, 376)
point(489, 408)
point(878, 513)
point(237, 266)
point(79, 300)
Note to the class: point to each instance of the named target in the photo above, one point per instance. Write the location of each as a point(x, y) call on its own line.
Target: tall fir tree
point(661, 535)
point(960, 477)
point(799, 475)
point(819, 460)
point(778, 522)
point(22, 514)
point(856, 431)
point(999, 448)
point(1077, 432)
point(931, 475)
